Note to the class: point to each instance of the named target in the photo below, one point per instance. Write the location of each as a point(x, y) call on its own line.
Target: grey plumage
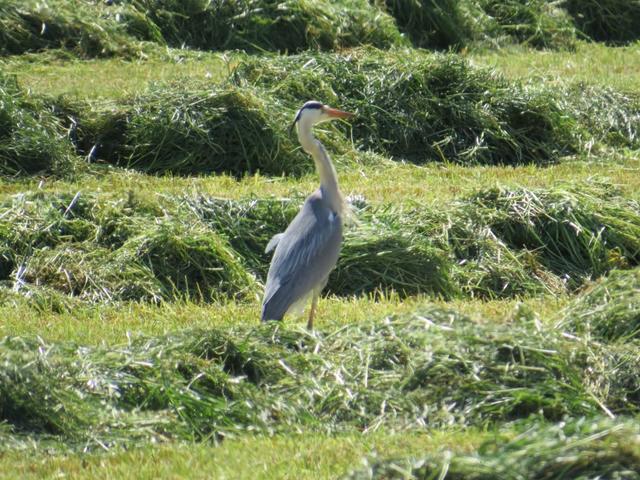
point(305, 255)
point(307, 251)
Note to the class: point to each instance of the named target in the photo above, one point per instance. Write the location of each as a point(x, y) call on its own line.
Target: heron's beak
point(335, 113)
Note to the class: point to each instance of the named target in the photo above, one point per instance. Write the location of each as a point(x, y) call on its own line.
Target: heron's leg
point(312, 312)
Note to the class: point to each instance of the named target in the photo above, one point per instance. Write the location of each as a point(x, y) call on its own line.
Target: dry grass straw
point(432, 369)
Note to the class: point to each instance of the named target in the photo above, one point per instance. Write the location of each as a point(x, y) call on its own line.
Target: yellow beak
point(334, 112)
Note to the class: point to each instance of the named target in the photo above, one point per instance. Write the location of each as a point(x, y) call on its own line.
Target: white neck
point(328, 176)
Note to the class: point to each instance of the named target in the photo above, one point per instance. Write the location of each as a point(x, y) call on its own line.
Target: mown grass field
point(483, 320)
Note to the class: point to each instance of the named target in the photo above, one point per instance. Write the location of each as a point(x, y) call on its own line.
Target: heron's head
point(314, 112)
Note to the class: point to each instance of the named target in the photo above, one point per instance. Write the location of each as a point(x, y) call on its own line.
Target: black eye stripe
point(312, 105)
point(308, 105)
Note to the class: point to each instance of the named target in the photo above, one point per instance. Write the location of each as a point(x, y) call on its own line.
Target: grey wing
point(273, 243)
point(305, 255)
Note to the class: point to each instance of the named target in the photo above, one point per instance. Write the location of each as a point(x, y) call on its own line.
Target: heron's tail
point(269, 314)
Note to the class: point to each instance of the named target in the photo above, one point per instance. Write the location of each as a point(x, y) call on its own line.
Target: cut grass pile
point(535, 23)
point(609, 310)
point(579, 449)
point(607, 116)
point(443, 24)
point(189, 128)
point(438, 24)
point(413, 107)
point(31, 138)
point(433, 369)
point(498, 243)
point(114, 251)
point(254, 25)
point(575, 233)
point(99, 29)
point(611, 21)
point(423, 108)
point(79, 27)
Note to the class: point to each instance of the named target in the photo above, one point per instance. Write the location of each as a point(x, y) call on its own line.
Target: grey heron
point(307, 251)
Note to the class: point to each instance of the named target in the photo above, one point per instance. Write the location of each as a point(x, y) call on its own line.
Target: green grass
point(138, 313)
point(611, 21)
point(589, 63)
point(432, 367)
point(416, 108)
point(55, 75)
point(577, 449)
point(31, 139)
point(92, 325)
point(131, 28)
point(608, 310)
point(62, 249)
point(251, 456)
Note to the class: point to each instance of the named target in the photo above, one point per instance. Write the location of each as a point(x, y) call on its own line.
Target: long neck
point(328, 176)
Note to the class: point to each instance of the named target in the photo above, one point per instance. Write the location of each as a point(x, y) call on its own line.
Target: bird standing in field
point(307, 251)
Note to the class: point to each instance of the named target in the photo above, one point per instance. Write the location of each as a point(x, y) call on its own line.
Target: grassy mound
point(612, 21)
point(191, 261)
point(575, 233)
point(374, 258)
point(89, 273)
point(423, 108)
point(511, 242)
point(585, 448)
point(261, 25)
point(436, 24)
point(443, 24)
point(249, 225)
point(537, 23)
point(609, 310)
point(189, 128)
point(98, 29)
point(377, 258)
point(80, 27)
point(607, 116)
point(414, 107)
point(431, 369)
point(499, 243)
point(32, 140)
point(113, 251)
